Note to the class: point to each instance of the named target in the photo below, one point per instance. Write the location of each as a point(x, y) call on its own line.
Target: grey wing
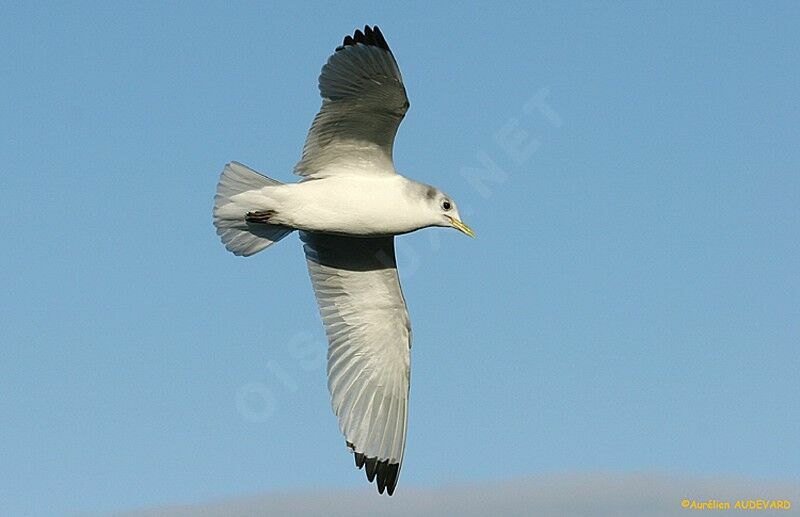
point(369, 335)
point(363, 102)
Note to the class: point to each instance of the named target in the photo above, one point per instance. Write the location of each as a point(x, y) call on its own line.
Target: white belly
point(354, 205)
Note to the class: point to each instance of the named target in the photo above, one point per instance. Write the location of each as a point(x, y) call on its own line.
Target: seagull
point(348, 206)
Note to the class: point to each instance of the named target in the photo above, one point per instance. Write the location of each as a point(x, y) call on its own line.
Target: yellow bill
point(460, 226)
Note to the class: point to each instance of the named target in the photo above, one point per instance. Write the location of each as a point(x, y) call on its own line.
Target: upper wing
point(363, 102)
point(362, 306)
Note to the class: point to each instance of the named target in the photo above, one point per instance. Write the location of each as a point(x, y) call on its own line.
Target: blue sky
point(632, 302)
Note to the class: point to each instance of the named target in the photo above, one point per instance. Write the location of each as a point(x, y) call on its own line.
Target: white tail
point(234, 199)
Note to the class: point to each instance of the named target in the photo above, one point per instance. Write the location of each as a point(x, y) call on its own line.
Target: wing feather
point(369, 334)
point(363, 103)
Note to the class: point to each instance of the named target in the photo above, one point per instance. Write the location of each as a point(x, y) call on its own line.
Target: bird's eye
point(446, 205)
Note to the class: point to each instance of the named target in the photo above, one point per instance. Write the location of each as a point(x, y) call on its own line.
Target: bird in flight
point(348, 206)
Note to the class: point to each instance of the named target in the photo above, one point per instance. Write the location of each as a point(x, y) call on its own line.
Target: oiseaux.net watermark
point(257, 400)
point(509, 150)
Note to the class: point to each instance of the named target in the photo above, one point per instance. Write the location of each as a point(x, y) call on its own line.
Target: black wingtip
point(371, 464)
point(371, 37)
point(381, 475)
point(385, 472)
point(391, 477)
point(360, 459)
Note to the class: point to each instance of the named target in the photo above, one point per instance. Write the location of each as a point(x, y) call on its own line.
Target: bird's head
point(445, 211)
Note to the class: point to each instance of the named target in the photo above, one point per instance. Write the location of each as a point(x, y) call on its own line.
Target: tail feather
point(234, 199)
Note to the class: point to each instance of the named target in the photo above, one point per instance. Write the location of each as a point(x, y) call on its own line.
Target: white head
point(443, 210)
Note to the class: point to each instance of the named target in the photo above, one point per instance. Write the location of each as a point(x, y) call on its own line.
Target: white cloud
point(595, 495)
